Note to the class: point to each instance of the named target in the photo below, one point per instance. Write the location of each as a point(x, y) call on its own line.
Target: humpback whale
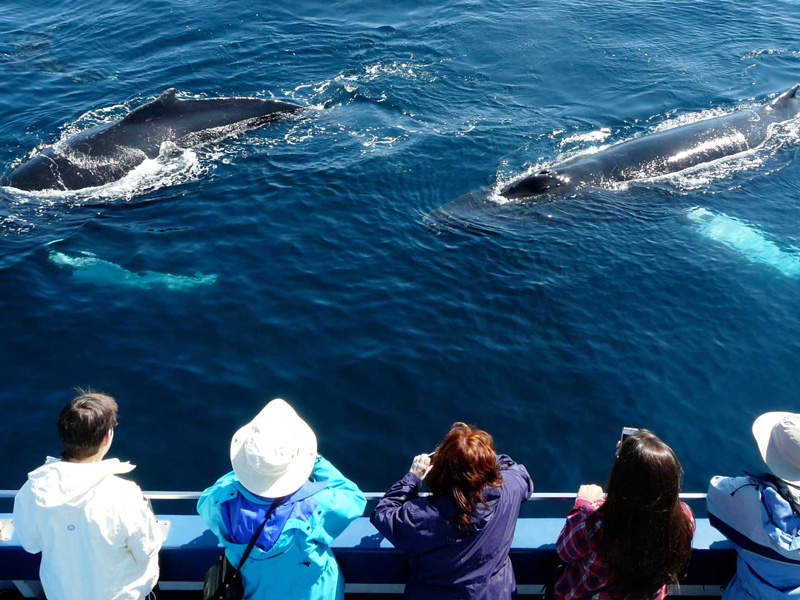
point(662, 153)
point(108, 152)
point(745, 239)
point(88, 268)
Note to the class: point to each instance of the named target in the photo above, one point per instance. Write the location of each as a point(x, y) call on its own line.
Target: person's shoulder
point(516, 475)
point(427, 510)
point(26, 489)
point(729, 498)
point(117, 497)
point(725, 485)
point(225, 488)
point(123, 488)
point(687, 512)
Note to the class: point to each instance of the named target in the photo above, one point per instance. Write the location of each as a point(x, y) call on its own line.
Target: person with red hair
point(458, 537)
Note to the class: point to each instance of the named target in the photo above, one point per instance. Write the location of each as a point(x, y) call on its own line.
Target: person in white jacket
point(98, 537)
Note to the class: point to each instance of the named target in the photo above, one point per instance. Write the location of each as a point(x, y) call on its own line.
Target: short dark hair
point(84, 422)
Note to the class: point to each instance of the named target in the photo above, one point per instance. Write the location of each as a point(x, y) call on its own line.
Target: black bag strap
point(252, 542)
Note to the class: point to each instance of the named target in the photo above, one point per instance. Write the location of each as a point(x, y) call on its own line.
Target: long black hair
point(647, 537)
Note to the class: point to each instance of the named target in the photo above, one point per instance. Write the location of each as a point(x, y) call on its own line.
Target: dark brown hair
point(84, 422)
point(647, 539)
point(464, 464)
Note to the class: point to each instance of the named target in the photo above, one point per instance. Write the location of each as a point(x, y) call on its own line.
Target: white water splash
point(173, 166)
point(599, 135)
point(15, 224)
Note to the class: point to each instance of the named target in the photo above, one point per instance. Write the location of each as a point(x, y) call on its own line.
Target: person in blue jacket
point(457, 538)
point(760, 514)
point(275, 458)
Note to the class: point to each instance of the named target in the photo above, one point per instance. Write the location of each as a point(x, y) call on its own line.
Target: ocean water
point(307, 260)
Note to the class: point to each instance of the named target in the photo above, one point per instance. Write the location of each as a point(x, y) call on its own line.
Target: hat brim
point(762, 432)
point(298, 470)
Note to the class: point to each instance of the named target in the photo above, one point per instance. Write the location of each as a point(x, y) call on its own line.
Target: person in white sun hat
point(275, 461)
point(760, 514)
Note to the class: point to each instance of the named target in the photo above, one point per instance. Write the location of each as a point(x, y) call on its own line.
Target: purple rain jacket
point(449, 563)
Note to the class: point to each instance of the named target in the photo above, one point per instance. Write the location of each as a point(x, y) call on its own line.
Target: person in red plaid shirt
point(635, 541)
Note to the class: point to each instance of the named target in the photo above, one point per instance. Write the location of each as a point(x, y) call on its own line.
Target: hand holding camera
point(626, 433)
point(421, 465)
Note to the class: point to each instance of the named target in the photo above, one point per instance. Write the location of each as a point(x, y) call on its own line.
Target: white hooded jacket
point(98, 537)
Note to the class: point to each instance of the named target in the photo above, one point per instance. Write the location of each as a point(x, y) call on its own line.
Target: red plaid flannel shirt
point(578, 546)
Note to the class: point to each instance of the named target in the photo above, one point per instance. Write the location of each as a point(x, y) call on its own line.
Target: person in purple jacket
point(457, 538)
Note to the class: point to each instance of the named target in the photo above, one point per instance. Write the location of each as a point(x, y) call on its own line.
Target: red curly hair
point(464, 464)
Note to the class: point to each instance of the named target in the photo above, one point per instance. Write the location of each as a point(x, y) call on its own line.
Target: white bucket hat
point(274, 454)
point(778, 437)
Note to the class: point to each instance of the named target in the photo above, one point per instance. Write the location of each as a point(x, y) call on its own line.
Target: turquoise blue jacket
point(300, 565)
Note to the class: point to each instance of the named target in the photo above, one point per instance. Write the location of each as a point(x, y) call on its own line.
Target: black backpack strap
point(252, 541)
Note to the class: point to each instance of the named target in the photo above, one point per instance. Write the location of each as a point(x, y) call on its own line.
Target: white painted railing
point(7, 494)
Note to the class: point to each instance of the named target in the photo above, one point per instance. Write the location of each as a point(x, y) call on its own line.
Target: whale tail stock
point(540, 183)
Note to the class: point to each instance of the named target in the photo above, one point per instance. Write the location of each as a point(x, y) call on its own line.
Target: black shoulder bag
point(222, 581)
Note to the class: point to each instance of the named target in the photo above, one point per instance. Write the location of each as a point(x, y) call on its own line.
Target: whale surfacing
point(664, 152)
point(87, 268)
point(108, 152)
point(745, 239)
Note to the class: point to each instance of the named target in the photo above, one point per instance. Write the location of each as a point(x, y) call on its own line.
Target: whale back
point(540, 183)
point(107, 152)
point(663, 152)
point(183, 116)
point(70, 170)
point(193, 121)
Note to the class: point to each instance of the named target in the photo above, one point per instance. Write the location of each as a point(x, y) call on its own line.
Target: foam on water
point(598, 135)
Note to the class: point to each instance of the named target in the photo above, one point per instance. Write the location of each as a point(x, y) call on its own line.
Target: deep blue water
point(551, 325)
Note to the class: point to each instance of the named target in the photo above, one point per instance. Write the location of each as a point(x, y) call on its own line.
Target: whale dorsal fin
point(787, 95)
point(151, 109)
point(167, 97)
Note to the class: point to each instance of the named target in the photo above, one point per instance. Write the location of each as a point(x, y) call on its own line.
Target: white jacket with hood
point(98, 537)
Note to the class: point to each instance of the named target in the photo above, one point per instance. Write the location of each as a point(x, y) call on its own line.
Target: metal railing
point(8, 494)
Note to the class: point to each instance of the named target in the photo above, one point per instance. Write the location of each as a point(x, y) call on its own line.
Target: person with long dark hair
point(457, 538)
point(637, 539)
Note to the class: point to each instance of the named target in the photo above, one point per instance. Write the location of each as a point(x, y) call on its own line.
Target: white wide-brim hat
point(274, 454)
point(778, 437)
